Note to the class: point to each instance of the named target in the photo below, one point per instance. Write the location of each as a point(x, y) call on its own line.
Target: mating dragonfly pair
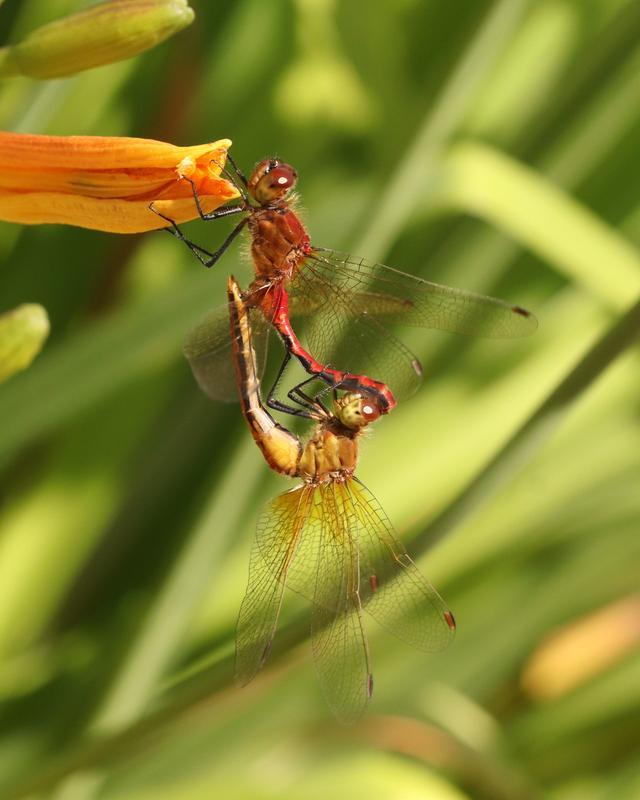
point(328, 538)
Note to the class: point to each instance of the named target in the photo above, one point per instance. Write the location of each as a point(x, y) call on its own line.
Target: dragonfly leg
point(276, 404)
point(237, 169)
point(201, 254)
point(219, 212)
point(283, 408)
point(302, 398)
point(232, 179)
point(213, 257)
point(205, 257)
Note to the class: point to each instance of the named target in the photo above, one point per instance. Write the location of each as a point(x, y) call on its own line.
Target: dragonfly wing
point(339, 640)
point(393, 590)
point(339, 336)
point(341, 660)
point(274, 550)
point(304, 540)
point(400, 298)
point(207, 348)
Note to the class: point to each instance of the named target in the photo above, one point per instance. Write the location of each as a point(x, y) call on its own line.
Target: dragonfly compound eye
point(272, 180)
point(370, 411)
point(356, 411)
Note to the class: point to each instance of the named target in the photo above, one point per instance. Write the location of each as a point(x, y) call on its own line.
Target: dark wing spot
point(522, 311)
point(373, 581)
point(369, 685)
point(450, 620)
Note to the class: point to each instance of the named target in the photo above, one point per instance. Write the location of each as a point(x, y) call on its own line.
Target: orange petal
point(109, 214)
point(107, 183)
point(32, 151)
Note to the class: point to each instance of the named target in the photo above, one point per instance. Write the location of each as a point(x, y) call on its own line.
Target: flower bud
point(104, 33)
point(23, 331)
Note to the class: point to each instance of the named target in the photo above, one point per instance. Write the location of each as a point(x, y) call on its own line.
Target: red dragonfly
point(327, 539)
point(350, 302)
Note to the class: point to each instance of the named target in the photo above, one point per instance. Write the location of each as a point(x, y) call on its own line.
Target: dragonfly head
point(271, 180)
point(356, 411)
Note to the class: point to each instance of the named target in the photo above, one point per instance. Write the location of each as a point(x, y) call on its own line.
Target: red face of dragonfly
point(271, 181)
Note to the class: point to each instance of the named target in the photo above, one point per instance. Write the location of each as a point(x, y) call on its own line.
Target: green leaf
point(478, 180)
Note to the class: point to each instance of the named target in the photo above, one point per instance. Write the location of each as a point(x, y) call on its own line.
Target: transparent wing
point(364, 346)
point(351, 303)
point(313, 539)
point(306, 541)
point(207, 348)
point(354, 342)
point(345, 521)
point(338, 637)
point(404, 299)
point(333, 544)
point(274, 550)
point(392, 588)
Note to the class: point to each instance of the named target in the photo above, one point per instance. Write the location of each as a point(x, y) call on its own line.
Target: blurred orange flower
point(107, 183)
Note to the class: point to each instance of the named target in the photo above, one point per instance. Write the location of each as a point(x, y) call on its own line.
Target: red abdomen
point(279, 242)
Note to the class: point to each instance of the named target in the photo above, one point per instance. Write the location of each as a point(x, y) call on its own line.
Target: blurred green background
point(487, 145)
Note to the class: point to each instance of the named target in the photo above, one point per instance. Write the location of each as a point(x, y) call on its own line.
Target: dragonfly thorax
point(329, 455)
point(279, 242)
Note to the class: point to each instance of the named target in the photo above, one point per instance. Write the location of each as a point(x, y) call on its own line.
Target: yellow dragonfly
point(327, 539)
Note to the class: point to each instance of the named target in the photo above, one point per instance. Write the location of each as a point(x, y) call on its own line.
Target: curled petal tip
point(186, 167)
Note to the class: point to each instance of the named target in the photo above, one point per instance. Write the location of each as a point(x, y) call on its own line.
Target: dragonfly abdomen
point(281, 449)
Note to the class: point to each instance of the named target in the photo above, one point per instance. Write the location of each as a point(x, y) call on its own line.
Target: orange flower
point(107, 183)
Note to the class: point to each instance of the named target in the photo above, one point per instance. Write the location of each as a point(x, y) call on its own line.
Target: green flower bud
point(107, 32)
point(23, 331)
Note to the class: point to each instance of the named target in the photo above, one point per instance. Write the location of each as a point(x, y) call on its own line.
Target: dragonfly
point(327, 539)
point(350, 303)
